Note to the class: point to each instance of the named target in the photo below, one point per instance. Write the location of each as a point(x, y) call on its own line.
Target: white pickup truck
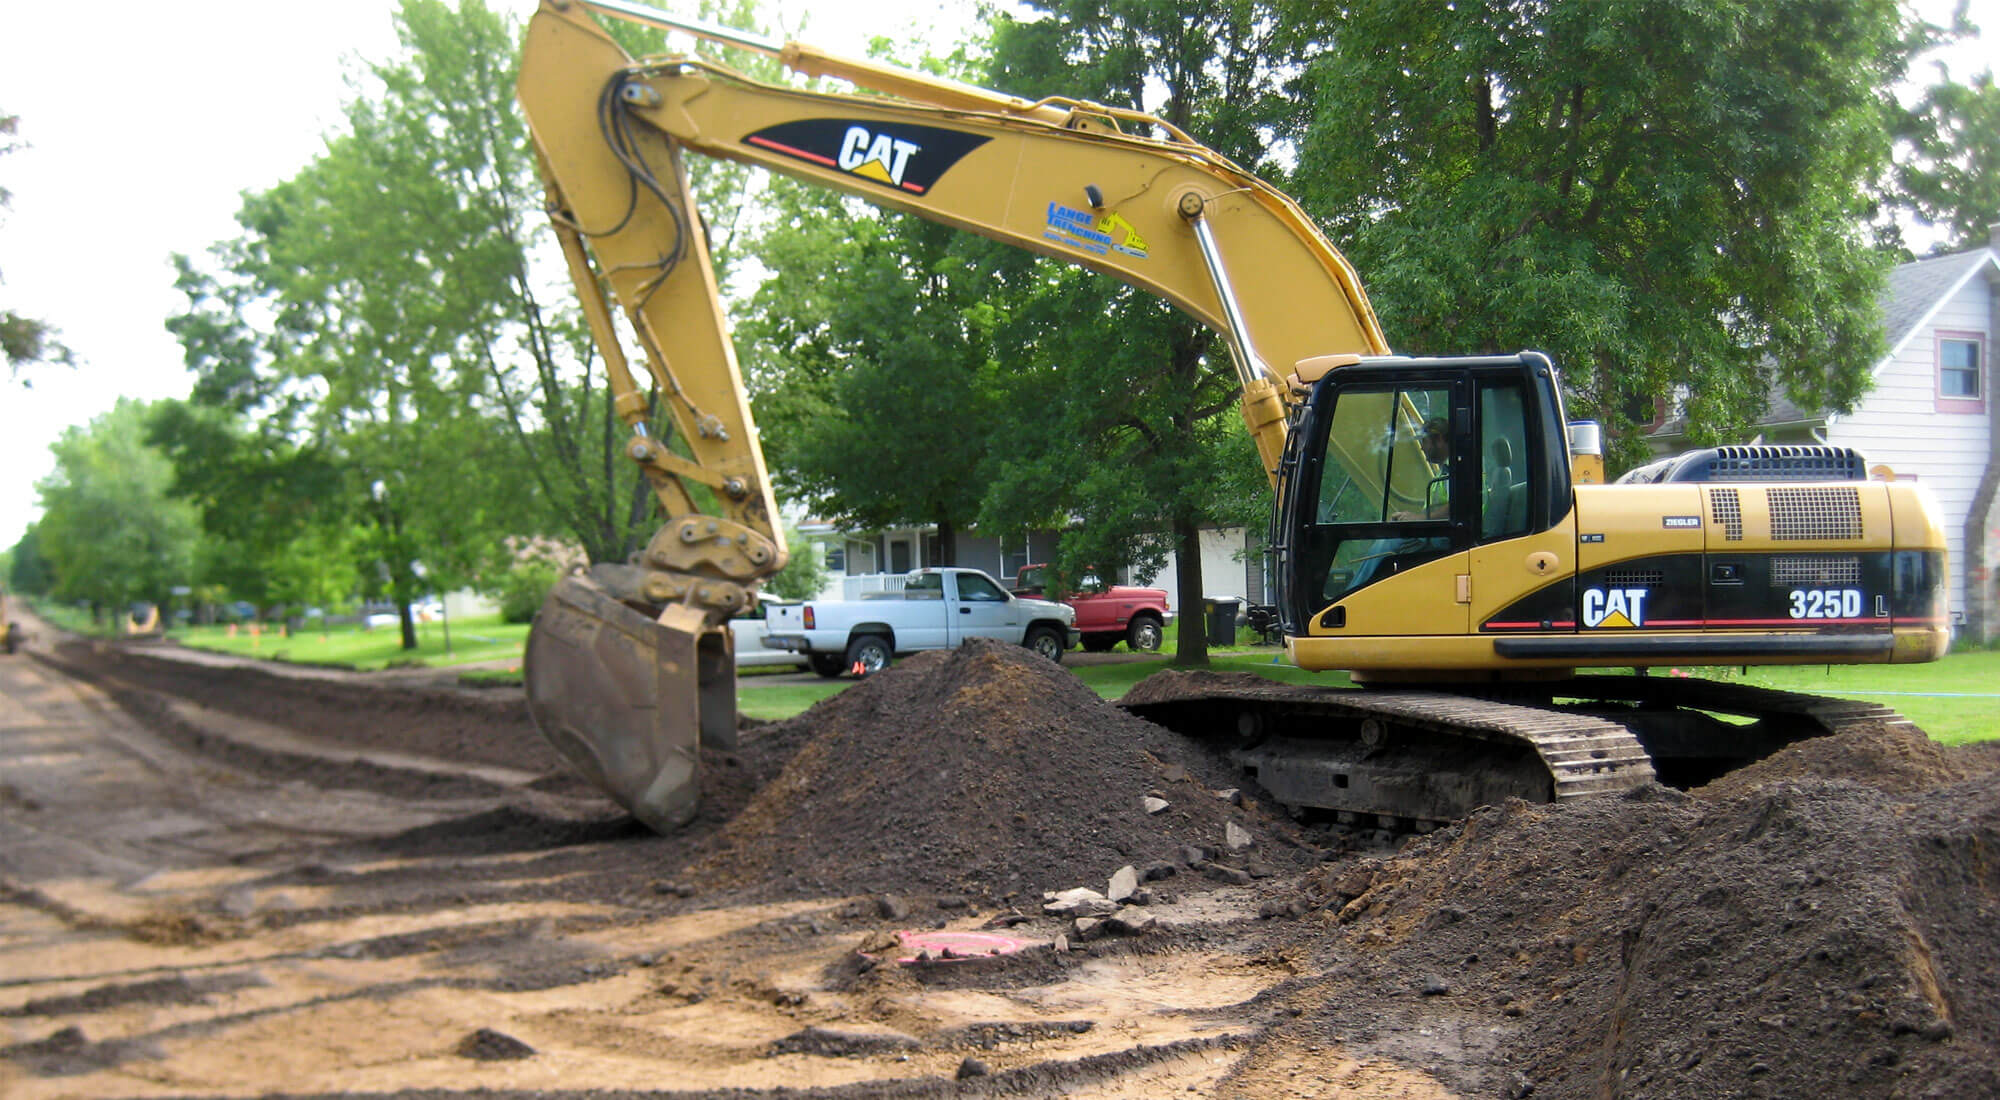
point(937, 609)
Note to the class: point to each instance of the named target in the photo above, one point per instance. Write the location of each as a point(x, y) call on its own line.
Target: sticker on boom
point(898, 155)
point(1101, 234)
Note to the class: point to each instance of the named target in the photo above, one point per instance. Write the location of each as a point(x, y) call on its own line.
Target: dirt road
point(232, 882)
point(201, 903)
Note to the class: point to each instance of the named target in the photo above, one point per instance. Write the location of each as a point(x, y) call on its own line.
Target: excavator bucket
point(628, 699)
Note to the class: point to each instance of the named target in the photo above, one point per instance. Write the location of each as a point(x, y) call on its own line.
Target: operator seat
point(1504, 503)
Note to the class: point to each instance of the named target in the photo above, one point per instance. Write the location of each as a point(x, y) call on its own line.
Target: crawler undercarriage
point(1406, 760)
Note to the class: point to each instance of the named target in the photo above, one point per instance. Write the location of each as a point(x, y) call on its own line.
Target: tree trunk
point(947, 543)
point(409, 621)
point(1192, 648)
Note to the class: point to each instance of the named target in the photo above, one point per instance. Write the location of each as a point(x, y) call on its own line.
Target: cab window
point(977, 589)
point(1384, 501)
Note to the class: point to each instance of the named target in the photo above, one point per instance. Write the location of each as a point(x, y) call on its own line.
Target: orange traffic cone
point(858, 670)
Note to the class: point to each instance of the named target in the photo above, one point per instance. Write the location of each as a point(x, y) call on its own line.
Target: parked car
point(936, 609)
point(1106, 614)
point(751, 649)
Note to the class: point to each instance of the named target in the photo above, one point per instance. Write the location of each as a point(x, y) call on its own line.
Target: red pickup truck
point(1106, 614)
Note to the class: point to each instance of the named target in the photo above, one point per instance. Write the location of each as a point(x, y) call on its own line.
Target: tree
point(28, 571)
point(1666, 196)
point(1140, 446)
point(1951, 178)
point(867, 381)
point(399, 327)
point(279, 516)
point(804, 574)
point(110, 529)
point(25, 341)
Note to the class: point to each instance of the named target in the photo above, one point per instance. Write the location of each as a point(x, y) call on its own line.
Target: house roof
point(1911, 296)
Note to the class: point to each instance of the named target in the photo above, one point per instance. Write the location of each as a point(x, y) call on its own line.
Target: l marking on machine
point(1614, 607)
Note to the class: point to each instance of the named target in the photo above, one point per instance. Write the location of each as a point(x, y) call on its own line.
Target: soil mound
point(1818, 924)
point(985, 771)
point(1899, 759)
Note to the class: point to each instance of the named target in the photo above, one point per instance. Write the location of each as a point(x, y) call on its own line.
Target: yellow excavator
point(1440, 529)
point(10, 632)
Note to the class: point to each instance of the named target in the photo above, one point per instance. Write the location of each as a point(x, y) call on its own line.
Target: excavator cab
point(1396, 464)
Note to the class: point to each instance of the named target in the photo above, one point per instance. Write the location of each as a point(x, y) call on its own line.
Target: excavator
point(1440, 530)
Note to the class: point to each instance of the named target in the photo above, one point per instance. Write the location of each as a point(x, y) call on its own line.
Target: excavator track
point(1406, 759)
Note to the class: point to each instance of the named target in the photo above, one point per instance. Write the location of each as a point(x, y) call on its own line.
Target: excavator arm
point(629, 667)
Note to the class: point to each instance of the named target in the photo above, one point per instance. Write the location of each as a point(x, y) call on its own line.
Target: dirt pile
point(984, 771)
point(1817, 924)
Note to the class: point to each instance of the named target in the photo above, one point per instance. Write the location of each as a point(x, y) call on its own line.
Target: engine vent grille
point(1726, 511)
point(1803, 572)
point(1634, 578)
point(1830, 512)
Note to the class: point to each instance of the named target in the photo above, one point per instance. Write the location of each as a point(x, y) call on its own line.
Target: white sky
point(145, 121)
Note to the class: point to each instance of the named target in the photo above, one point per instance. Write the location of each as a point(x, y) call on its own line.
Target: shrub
point(524, 588)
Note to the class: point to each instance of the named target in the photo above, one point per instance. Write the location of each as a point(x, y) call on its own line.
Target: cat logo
point(880, 157)
point(1614, 608)
point(901, 156)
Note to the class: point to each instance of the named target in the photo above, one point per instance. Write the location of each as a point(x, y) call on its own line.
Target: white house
point(1930, 415)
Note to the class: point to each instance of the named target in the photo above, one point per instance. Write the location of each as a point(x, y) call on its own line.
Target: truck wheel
point(1047, 641)
point(871, 652)
point(827, 664)
point(1145, 634)
point(1099, 643)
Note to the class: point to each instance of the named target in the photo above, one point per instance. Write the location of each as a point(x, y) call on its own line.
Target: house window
point(860, 557)
point(1013, 555)
point(836, 556)
point(1961, 372)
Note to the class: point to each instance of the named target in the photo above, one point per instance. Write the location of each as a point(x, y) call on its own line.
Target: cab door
point(982, 610)
point(1523, 569)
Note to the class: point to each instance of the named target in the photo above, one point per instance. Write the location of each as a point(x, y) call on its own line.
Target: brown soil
point(1817, 924)
point(983, 772)
point(394, 889)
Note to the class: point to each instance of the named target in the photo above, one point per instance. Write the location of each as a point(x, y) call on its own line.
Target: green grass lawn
point(474, 639)
point(1956, 700)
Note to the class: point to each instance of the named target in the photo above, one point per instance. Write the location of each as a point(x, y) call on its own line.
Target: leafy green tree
point(870, 381)
point(24, 340)
point(279, 516)
point(803, 576)
point(1952, 177)
point(28, 571)
point(110, 529)
point(1666, 196)
point(381, 303)
point(1138, 445)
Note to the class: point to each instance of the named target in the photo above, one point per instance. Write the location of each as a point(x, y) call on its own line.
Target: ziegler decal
point(1093, 233)
point(901, 156)
point(1614, 608)
point(1680, 522)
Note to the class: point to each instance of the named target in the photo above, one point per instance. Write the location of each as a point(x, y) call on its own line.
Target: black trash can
point(1221, 620)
